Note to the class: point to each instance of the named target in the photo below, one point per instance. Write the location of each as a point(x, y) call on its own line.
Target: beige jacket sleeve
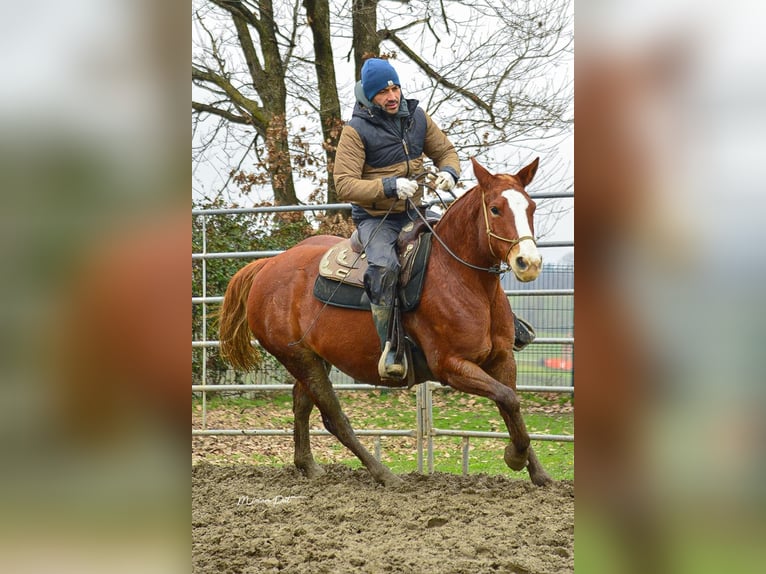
point(349, 171)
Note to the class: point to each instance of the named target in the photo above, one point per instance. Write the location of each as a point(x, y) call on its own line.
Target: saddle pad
point(339, 291)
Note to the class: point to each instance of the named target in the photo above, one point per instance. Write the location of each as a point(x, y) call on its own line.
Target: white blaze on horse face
point(526, 263)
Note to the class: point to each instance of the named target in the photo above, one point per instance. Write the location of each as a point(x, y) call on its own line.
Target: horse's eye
point(494, 210)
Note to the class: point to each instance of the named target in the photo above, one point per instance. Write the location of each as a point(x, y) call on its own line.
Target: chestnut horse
point(463, 324)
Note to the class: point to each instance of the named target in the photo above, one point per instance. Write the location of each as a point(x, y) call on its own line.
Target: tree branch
point(430, 72)
point(240, 101)
point(236, 8)
point(248, 49)
point(225, 114)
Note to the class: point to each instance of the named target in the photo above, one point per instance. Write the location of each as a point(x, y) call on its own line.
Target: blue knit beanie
point(376, 75)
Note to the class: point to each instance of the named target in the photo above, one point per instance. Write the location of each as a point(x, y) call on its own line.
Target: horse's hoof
point(389, 480)
point(514, 459)
point(540, 479)
point(394, 483)
point(312, 471)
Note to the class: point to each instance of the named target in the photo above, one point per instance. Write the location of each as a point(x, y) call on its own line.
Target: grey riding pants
point(379, 238)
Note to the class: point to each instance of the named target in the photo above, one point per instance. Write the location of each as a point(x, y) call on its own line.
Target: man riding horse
point(380, 150)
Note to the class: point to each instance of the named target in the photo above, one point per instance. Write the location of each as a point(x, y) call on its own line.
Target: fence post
point(424, 426)
point(419, 425)
point(428, 424)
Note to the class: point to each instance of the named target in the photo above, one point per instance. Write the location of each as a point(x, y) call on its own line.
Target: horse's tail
point(233, 330)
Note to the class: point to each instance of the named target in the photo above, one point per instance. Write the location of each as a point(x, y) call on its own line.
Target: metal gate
point(425, 431)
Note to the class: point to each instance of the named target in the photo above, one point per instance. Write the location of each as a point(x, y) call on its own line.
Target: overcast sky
point(554, 170)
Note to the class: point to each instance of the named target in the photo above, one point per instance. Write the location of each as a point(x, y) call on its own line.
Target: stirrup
point(525, 334)
point(391, 370)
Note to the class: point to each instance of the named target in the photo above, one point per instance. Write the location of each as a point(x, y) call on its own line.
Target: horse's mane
point(458, 201)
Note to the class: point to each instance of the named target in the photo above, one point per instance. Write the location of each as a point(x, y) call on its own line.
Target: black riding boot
point(388, 365)
point(525, 333)
point(380, 284)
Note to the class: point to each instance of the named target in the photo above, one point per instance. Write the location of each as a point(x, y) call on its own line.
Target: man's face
point(388, 98)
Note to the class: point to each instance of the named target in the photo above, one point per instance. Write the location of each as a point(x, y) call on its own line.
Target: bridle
point(504, 267)
point(491, 234)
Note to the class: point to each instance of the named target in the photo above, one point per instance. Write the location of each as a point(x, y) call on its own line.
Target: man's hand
point(405, 188)
point(444, 181)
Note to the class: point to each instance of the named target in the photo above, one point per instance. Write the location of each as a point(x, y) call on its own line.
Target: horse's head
point(509, 217)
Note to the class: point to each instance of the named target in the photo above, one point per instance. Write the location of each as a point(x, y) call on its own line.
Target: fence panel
point(545, 366)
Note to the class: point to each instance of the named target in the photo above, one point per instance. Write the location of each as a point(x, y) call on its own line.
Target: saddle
point(341, 270)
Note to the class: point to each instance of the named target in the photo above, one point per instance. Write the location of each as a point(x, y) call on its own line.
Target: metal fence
point(545, 366)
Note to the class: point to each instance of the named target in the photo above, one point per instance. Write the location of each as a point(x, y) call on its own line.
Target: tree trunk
point(364, 22)
point(318, 15)
point(278, 159)
point(268, 76)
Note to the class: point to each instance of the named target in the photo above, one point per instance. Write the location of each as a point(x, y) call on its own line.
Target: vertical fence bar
point(204, 322)
point(419, 424)
point(429, 424)
point(465, 455)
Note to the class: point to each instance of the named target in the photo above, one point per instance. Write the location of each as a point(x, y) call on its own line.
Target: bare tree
point(494, 75)
point(494, 63)
point(258, 100)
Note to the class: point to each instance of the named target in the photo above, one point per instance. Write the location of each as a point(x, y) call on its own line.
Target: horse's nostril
point(521, 263)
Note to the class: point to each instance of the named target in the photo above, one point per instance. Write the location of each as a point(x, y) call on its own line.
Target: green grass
point(259, 400)
point(452, 410)
point(397, 410)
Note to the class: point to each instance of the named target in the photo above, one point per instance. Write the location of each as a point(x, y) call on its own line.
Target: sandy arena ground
point(259, 519)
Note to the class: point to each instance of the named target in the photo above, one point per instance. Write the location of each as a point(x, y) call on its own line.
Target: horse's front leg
point(502, 370)
point(468, 377)
point(537, 473)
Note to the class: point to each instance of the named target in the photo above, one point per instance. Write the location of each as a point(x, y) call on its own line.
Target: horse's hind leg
point(336, 422)
point(302, 407)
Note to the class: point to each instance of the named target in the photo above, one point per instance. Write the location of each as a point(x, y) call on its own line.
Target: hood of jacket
point(366, 109)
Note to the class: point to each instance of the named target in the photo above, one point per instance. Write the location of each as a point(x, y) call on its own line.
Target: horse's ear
point(527, 174)
point(481, 174)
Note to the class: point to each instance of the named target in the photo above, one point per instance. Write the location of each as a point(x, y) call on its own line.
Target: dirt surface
point(248, 519)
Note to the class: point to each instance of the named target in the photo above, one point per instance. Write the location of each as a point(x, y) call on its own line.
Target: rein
point(495, 269)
